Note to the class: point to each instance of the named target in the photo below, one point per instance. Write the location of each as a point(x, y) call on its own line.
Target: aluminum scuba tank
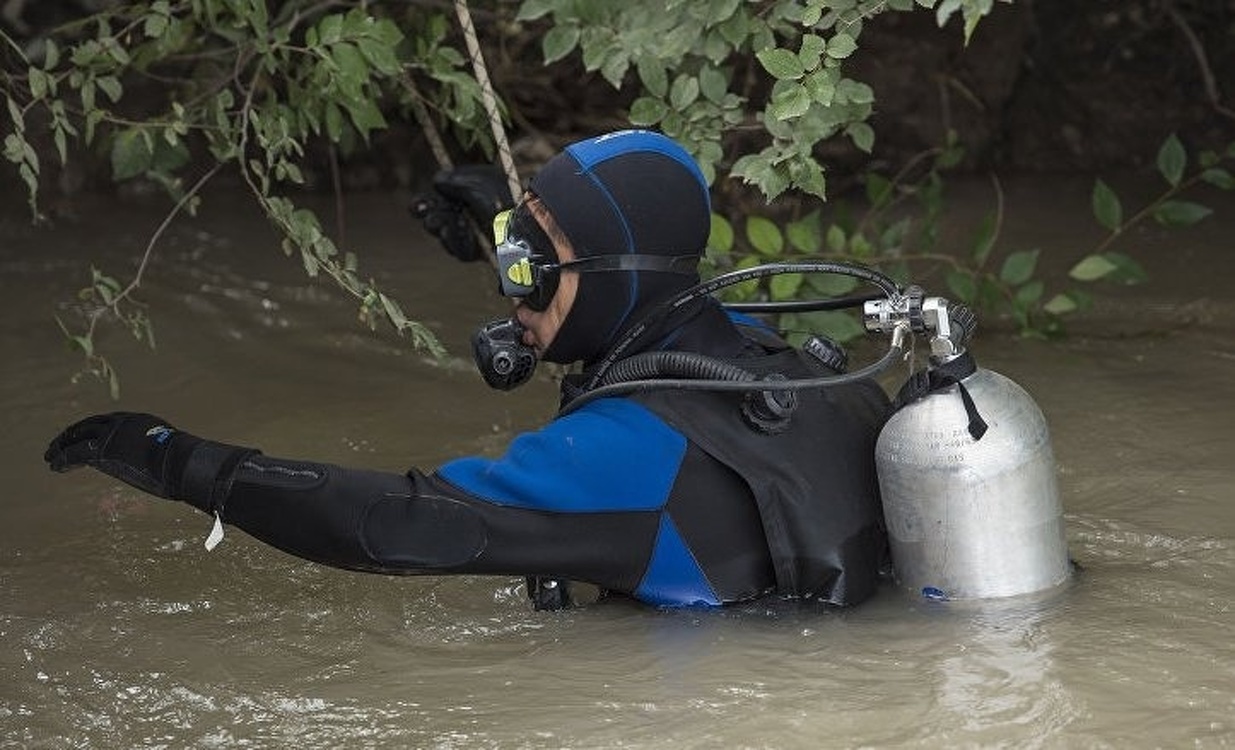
point(967, 477)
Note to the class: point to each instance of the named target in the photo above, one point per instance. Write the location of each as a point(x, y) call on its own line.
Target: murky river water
point(117, 629)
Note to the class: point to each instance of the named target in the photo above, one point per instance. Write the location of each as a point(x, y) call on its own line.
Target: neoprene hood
point(631, 191)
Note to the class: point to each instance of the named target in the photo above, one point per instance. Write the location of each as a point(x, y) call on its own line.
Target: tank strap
point(925, 382)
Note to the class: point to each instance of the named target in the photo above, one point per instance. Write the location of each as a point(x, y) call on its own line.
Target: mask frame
point(526, 273)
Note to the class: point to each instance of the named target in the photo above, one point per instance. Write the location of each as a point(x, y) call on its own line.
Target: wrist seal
point(206, 471)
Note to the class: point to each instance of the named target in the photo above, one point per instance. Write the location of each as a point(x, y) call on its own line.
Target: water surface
point(119, 630)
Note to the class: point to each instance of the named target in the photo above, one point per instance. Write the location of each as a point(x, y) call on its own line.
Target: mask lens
point(524, 258)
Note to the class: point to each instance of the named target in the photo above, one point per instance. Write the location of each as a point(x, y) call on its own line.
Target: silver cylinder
point(972, 519)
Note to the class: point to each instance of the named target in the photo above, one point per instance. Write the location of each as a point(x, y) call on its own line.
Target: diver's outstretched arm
point(358, 519)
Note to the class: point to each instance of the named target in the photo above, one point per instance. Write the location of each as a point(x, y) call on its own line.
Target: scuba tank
point(966, 470)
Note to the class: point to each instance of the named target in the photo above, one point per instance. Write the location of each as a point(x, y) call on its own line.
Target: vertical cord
point(489, 99)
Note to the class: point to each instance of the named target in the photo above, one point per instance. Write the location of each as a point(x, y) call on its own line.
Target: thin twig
point(1202, 60)
point(136, 281)
point(425, 120)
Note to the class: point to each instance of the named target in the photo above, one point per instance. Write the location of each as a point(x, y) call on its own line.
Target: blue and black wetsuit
point(673, 497)
point(669, 497)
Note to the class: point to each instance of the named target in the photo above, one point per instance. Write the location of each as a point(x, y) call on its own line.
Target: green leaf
point(821, 84)
point(1092, 268)
point(854, 92)
point(530, 10)
point(1029, 293)
point(614, 68)
point(878, 190)
point(841, 46)
point(813, 47)
point(51, 55)
point(40, 83)
point(559, 42)
point(393, 312)
point(683, 92)
point(713, 84)
point(785, 286)
point(380, 55)
point(781, 64)
point(14, 148)
point(835, 238)
point(366, 116)
point(1060, 304)
point(1172, 160)
point(1219, 178)
point(1018, 267)
point(647, 110)
point(1127, 270)
point(758, 170)
point(789, 102)
point(835, 324)
point(330, 29)
point(1180, 213)
point(808, 177)
point(747, 289)
point(720, 237)
point(131, 154)
point(985, 241)
point(831, 284)
point(863, 136)
point(765, 236)
point(1106, 207)
point(155, 25)
point(111, 86)
point(652, 72)
point(334, 122)
point(805, 234)
point(962, 286)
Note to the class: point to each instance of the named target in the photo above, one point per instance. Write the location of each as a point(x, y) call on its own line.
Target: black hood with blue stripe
point(632, 191)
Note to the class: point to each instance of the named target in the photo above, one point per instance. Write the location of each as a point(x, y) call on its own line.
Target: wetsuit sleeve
point(578, 499)
point(353, 518)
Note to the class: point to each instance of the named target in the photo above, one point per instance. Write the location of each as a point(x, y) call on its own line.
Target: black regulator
point(504, 361)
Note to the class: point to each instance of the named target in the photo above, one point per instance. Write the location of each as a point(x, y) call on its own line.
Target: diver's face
point(543, 325)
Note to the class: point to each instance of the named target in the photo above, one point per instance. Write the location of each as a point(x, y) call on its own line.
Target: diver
point(673, 497)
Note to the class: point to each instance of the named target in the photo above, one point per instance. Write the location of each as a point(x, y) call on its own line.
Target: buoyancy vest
point(813, 479)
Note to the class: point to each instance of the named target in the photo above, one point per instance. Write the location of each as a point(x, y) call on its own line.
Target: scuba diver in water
point(675, 497)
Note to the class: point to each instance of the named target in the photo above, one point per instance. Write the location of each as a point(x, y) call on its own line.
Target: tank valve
point(950, 326)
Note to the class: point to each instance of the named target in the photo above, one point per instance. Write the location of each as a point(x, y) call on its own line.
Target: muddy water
point(117, 629)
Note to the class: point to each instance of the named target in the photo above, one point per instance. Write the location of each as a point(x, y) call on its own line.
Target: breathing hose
point(690, 371)
point(711, 286)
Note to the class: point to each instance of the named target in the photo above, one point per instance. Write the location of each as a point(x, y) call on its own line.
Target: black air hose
point(674, 364)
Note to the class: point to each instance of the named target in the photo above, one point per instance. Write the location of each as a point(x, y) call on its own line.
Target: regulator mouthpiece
point(504, 361)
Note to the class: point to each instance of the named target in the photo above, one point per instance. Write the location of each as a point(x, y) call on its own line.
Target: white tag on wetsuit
point(216, 534)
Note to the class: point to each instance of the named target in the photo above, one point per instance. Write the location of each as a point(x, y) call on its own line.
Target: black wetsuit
point(670, 497)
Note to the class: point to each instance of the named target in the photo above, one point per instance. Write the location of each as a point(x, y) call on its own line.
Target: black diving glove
point(463, 200)
point(146, 452)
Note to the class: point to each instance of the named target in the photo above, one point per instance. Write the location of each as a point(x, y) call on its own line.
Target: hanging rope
point(488, 98)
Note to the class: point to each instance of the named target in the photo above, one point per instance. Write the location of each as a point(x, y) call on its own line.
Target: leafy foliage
point(786, 57)
point(899, 228)
point(252, 84)
point(752, 88)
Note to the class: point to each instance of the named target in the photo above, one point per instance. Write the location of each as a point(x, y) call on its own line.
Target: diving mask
point(528, 268)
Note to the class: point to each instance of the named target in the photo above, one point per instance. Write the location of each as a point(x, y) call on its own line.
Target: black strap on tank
point(925, 382)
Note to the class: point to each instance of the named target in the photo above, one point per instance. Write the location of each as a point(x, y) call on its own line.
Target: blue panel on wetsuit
point(611, 455)
point(673, 577)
